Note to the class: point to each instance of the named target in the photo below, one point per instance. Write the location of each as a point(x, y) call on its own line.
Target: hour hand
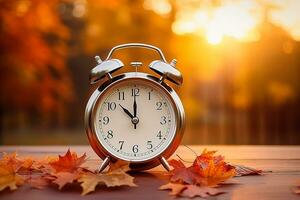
point(126, 111)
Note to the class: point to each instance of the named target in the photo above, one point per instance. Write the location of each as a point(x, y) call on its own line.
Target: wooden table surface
point(283, 161)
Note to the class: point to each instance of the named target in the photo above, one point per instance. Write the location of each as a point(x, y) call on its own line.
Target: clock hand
point(126, 111)
point(134, 106)
point(134, 110)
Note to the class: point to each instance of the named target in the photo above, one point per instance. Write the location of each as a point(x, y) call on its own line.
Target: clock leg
point(164, 163)
point(104, 164)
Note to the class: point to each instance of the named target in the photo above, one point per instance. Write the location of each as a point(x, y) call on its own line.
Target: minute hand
point(134, 107)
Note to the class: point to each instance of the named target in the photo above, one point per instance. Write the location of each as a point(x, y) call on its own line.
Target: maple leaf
point(201, 191)
point(120, 164)
point(188, 190)
point(114, 177)
point(11, 160)
point(68, 163)
point(183, 174)
point(207, 169)
point(9, 177)
point(245, 171)
point(175, 188)
point(62, 178)
point(213, 169)
point(39, 182)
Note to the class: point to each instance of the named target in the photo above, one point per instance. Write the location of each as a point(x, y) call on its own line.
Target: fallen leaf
point(183, 174)
point(213, 169)
point(113, 177)
point(246, 171)
point(190, 191)
point(11, 160)
point(38, 182)
point(62, 178)
point(201, 191)
point(175, 188)
point(68, 163)
point(120, 164)
point(89, 180)
point(207, 170)
point(9, 177)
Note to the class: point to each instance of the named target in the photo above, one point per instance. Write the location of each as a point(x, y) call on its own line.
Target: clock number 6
point(135, 148)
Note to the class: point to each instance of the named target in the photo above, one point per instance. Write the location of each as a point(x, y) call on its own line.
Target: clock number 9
point(135, 148)
point(110, 134)
point(105, 120)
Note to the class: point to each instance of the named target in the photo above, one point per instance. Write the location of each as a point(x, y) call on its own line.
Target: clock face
point(135, 120)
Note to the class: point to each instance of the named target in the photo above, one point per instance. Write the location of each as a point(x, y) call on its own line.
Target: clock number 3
point(163, 120)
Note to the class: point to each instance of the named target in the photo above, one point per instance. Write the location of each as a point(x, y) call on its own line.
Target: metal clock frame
point(99, 148)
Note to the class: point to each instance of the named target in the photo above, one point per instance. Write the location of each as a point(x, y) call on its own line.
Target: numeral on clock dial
point(159, 135)
point(121, 95)
point(135, 148)
point(105, 120)
point(121, 144)
point(110, 134)
point(135, 92)
point(111, 105)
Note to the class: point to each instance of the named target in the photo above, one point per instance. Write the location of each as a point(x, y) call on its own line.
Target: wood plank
point(229, 151)
point(284, 161)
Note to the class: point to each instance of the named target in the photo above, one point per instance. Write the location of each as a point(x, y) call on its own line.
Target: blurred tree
point(34, 78)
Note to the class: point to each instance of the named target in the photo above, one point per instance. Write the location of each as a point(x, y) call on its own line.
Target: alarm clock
point(134, 116)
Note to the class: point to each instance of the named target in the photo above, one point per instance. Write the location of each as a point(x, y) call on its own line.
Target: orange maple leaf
point(183, 174)
point(62, 178)
point(9, 177)
point(68, 163)
point(212, 168)
point(207, 169)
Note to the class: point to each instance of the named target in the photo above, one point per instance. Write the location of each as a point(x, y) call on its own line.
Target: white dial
point(135, 120)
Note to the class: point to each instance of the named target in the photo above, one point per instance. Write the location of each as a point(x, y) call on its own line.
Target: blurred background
point(240, 62)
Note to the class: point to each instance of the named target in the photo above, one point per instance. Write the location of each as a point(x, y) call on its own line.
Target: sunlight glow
point(237, 19)
point(161, 7)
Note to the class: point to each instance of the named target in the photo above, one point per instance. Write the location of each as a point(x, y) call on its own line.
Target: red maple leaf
point(68, 163)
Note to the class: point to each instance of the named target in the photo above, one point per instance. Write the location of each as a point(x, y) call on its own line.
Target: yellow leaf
point(113, 178)
point(9, 178)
